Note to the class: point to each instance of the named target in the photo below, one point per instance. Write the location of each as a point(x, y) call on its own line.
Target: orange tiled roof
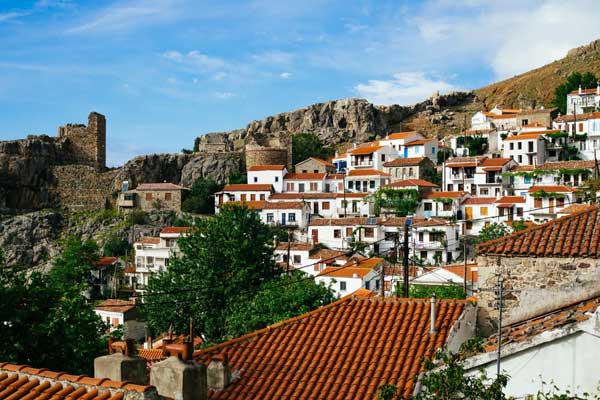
point(459, 269)
point(576, 235)
point(338, 221)
point(501, 116)
point(335, 176)
point(528, 135)
point(418, 142)
point(159, 186)
point(367, 172)
point(585, 91)
point(580, 117)
point(458, 162)
point(534, 125)
point(320, 161)
point(251, 204)
point(105, 261)
point(511, 199)
point(266, 168)
point(479, 200)
point(365, 150)
point(315, 195)
point(150, 240)
point(24, 382)
point(151, 354)
point(551, 189)
point(345, 350)
point(399, 135)
point(412, 182)
point(298, 246)
point(176, 229)
point(116, 305)
point(345, 272)
point(283, 205)
point(561, 317)
point(405, 162)
point(248, 187)
point(495, 162)
point(327, 254)
point(444, 195)
point(573, 208)
point(305, 176)
point(573, 164)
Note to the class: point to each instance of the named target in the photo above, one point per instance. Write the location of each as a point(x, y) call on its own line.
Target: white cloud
point(219, 76)
point(403, 88)
point(223, 95)
point(285, 75)
point(274, 58)
point(13, 15)
point(197, 61)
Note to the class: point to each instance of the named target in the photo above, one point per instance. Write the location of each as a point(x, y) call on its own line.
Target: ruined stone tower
point(88, 143)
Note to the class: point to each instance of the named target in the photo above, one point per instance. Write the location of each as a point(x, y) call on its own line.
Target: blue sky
point(166, 71)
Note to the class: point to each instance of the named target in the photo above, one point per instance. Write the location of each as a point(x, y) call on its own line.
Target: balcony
point(460, 176)
point(362, 163)
point(429, 245)
point(495, 180)
point(125, 203)
point(348, 211)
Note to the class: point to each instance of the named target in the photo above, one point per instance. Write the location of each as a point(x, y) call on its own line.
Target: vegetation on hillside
point(201, 199)
point(586, 80)
point(306, 145)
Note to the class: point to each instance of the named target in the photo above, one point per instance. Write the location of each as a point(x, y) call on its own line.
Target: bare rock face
point(216, 166)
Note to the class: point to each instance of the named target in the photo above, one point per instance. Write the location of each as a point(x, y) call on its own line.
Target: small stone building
point(315, 165)
point(402, 169)
point(152, 196)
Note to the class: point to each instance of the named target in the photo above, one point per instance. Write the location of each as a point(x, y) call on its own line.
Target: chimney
point(598, 88)
point(179, 376)
point(432, 317)
point(218, 374)
point(580, 89)
point(120, 364)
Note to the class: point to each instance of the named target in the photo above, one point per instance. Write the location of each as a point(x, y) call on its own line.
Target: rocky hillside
point(536, 87)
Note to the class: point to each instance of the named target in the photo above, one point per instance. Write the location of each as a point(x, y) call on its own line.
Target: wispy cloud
point(128, 15)
point(285, 75)
point(13, 15)
point(403, 88)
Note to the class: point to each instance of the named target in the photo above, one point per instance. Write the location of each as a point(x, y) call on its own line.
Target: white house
point(526, 148)
point(570, 173)
point(459, 173)
point(121, 313)
point(242, 192)
point(357, 273)
point(399, 139)
point(476, 212)
point(268, 175)
point(499, 119)
point(509, 209)
point(488, 179)
point(304, 182)
point(442, 204)
point(370, 156)
point(299, 255)
point(585, 128)
point(340, 161)
point(152, 256)
point(436, 241)
point(366, 180)
point(293, 214)
point(339, 233)
point(544, 202)
point(583, 100)
point(491, 135)
point(331, 205)
point(559, 348)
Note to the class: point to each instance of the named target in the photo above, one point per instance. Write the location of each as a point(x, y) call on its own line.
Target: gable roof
point(248, 187)
point(495, 162)
point(22, 381)
point(551, 189)
point(346, 349)
point(366, 149)
point(305, 176)
point(479, 200)
point(176, 229)
point(575, 235)
point(277, 167)
point(528, 135)
point(295, 246)
point(318, 160)
point(159, 186)
point(411, 182)
point(444, 195)
point(115, 305)
point(419, 142)
point(399, 135)
point(510, 200)
point(367, 172)
point(405, 162)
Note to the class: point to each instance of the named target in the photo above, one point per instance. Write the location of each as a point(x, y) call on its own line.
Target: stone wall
point(88, 143)
point(533, 285)
point(149, 200)
point(259, 155)
point(82, 187)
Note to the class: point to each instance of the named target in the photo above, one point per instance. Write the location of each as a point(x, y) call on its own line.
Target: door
point(468, 212)
point(405, 152)
point(282, 218)
point(316, 207)
point(315, 236)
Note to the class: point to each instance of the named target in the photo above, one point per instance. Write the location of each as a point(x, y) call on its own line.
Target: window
point(255, 179)
point(292, 217)
point(269, 217)
point(168, 196)
point(524, 122)
point(301, 187)
point(313, 187)
point(252, 197)
point(519, 211)
point(148, 196)
point(115, 322)
point(450, 187)
point(512, 146)
point(469, 224)
point(537, 203)
point(262, 196)
point(349, 232)
point(427, 206)
point(342, 286)
point(436, 236)
point(520, 158)
point(424, 255)
point(484, 191)
point(243, 197)
point(530, 147)
point(421, 236)
point(447, 207)
point(297, 259)
point(580, 127)
point(290, 186)
point(316, 171)
point(560, 201)
point(410, 171)
point(357, 185)
point(350, 184)
point(372, 184)
point(149, 260)
point(276, 179)
point(527, 179)
point(367, 285)
point(519, 146)
point(382, 157)
point(369, 232)
point(325, 205)
point(483, 211)
point(337, 233)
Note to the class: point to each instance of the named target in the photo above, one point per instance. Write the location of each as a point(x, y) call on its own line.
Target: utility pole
point(382, 280)
point(407, 224)
point(499, 302)
point(288, 252)
point(464, 226)
point(344, 185)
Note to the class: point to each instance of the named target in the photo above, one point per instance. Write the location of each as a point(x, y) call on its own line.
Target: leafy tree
point(493, 231)
point(137, 217)
point(444, 154)
point(63, 332)
point(278, 299)
point(569, 153)
point(518, 225)
point(587, 80)
point(306, 145)
point(201, 199)
point(402, 201)
point(115, 246)
point(224, 262)
point(477, 145)
point(425, 291)
point(237, 177)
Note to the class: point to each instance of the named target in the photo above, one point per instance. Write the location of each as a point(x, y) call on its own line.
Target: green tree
point(587, 80)
point(74, 265)
point(477, 145)
point(115, 246)
point(277, 300)
point(493, 231)
point(237, 177)
point(201, 199)
point(402, 202)
point(224, 261)
point(425, 291)
point(306, 145)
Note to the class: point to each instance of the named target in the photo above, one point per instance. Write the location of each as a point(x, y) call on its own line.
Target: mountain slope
point(536, 87)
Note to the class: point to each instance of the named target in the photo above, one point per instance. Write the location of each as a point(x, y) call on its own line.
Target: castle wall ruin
point(88, 143)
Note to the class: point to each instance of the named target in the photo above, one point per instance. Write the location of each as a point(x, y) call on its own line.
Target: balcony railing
point(362, 163)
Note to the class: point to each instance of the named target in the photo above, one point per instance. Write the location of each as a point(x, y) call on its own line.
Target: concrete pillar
point(179, 380)
point(218, 373)
point(119, 367)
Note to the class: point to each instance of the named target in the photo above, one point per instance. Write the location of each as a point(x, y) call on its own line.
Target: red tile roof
point(319, 160)
point(580, 117)
point(418, 142)
point(284, 205)
point(104, 262)
point(151, 355)
point(511, 200)
point(573, 164)
point(573, 208)
point(405, 162)
point(266, 168)
point(115, 305)
point(528, 135)
point(575, 235)
point(444, 195)
point(479, 200)
point(585, 91)
point(459, 269)
point(315, 195)
point(252, 204)
point(150, 240)
point(345, 350)
point(159, 186)
point(248, 187)
point(367, 148)
point(561, 317)
point(328, 255)
point(24, 382)
point(495, 162)
point(345, 272)
point(551, 189)
point(295, 246)
point(367, 172)
point(399, 135)
point(412, 182)
point(176, 229)
point(305, 176)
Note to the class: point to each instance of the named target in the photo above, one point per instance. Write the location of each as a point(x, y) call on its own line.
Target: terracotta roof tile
point(511, 200)
point(551, 189)
point(284, 205)
point(495, 162)
point(405, 162)
point(367, 172)
point(150, 240)
point(319, 160)
point(574, 208)
point(343, 350)
point(266, 168)
point(105, 261)
point(297, 246)
point(442, 195)
point(399, 135)
point(418, 142)
point(159, 186)
point(176, 229)
point(26, 383)
point(573, 164)
point(412, 182)
point(528, 135)
point(251, 204)
point(315, 195)
point(575, 235)
point(479, 200)
point(305, 176)
point(248, 187)
point(115, 305)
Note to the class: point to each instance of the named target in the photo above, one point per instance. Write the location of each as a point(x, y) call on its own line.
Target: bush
point(137, 217)
point(115, 246)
